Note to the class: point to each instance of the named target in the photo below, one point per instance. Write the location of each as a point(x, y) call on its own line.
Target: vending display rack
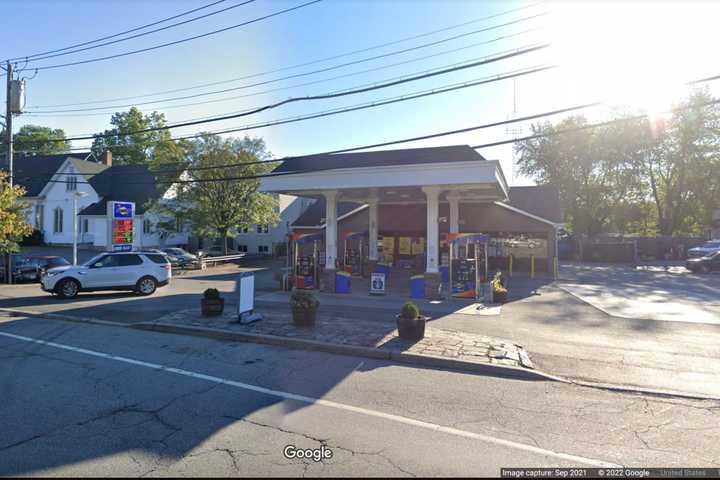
point(466, 275)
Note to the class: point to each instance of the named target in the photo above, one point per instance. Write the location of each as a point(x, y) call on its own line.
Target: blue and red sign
point(123, 210)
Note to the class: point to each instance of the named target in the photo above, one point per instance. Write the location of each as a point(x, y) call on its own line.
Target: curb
point(368, 352)
point(340, 349)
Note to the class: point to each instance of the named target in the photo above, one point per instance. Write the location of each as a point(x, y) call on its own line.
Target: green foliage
point(636, 176)
point(410, 311)
point(34, 139)
point(154, 148)
point(13, 226)
point(213, 205)
point(211, 294)
point(303, 300)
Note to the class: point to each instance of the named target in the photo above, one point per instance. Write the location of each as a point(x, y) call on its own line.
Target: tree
point(13, 226)
point(680, 166)
point(592, 168)
point(35, 139)
point(219, 199)
point(153, 148)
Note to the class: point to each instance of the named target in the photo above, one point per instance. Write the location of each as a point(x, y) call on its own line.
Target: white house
point(53, 181)
point(266, 239)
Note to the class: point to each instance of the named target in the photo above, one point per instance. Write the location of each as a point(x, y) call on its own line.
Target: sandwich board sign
point(246, 300)
point(120, 218)
point(377, 283)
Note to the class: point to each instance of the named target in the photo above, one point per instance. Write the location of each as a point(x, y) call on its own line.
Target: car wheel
point(67, 288)
point(146, 286)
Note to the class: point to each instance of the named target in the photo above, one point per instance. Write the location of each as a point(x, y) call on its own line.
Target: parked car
point(181, 258)
point(706, 248)
point(16, 260)
point(31, 269)
point(706, 264)
point(139, 271)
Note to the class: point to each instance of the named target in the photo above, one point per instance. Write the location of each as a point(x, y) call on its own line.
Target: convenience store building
point(401, 206)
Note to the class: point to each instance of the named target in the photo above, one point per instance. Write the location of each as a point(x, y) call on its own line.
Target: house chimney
point(106, 158)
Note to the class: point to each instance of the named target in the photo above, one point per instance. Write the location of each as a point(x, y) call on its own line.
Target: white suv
point(138, 271)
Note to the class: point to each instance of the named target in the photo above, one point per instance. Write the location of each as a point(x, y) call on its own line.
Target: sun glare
point(636, 54)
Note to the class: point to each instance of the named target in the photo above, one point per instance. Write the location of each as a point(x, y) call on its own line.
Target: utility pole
point(9, 153)
point(8, 123)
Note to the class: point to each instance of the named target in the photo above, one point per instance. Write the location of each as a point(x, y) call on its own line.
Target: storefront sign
point(120, 217)
point(377, 283)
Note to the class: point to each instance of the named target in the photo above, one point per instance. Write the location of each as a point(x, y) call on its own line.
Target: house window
point(71, 183)
point(261, 228)
point(147, 227)
point(178, 224)
point(242, 248)
point(39, 217)
point(244, 229)
point(263, 249)
point(83, 226)
point(58, 220)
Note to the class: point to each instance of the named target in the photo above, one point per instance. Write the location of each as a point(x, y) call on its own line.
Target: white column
point(373, 229)
point(454, 201)
point(330, 229)
point(433, 251)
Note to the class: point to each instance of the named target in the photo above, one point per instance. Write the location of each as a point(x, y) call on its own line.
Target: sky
point(635, 55)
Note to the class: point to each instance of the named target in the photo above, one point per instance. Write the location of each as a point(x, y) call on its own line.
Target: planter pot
point(303, 317)
point(411, 328)
point(500, 297)
point(212, 307)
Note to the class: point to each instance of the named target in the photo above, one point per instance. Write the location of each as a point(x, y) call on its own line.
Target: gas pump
point(356, 253)
point(305, 264)
point(467, 271)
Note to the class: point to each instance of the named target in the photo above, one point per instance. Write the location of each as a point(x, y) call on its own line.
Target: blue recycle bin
point(417, 286)
point(342, 282)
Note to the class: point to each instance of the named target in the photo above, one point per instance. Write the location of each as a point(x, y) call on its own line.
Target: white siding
point(290, 208)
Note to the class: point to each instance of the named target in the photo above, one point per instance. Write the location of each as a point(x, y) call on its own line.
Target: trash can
point(383, 268)
point(417, 286)
point(342, 282)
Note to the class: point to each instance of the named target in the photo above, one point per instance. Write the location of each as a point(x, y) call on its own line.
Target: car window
point(129, 260)
point(105, 261)
point(159, 259)
point(712, 245)
point(94, 259)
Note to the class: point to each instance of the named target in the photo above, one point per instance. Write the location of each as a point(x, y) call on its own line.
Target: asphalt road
point(79, 399)
point(565, 336)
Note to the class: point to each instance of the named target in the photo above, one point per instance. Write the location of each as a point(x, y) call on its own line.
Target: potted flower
point(304, 307)
point(410, 324)
point(212, 304)
point(499, 290)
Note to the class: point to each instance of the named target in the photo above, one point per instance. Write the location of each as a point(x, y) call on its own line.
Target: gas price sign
point(120, 218)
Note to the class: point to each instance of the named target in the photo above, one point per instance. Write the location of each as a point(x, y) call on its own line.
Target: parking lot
point(653, 292)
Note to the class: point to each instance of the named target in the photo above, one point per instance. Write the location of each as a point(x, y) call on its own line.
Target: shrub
point(211, 294)
point(304, 300)
point(409, 311)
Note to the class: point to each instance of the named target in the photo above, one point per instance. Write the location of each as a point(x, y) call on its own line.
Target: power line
point(142, 34)
point(119, 34)
point(362, 106)
point(315, 82)
point(176, 42)
point(312, 72)
point(435, 135)
point(305, 64)
point(516, 53)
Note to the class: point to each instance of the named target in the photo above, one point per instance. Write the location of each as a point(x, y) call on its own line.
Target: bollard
point(510, 260)
point(555, 267)
point(532, 266)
